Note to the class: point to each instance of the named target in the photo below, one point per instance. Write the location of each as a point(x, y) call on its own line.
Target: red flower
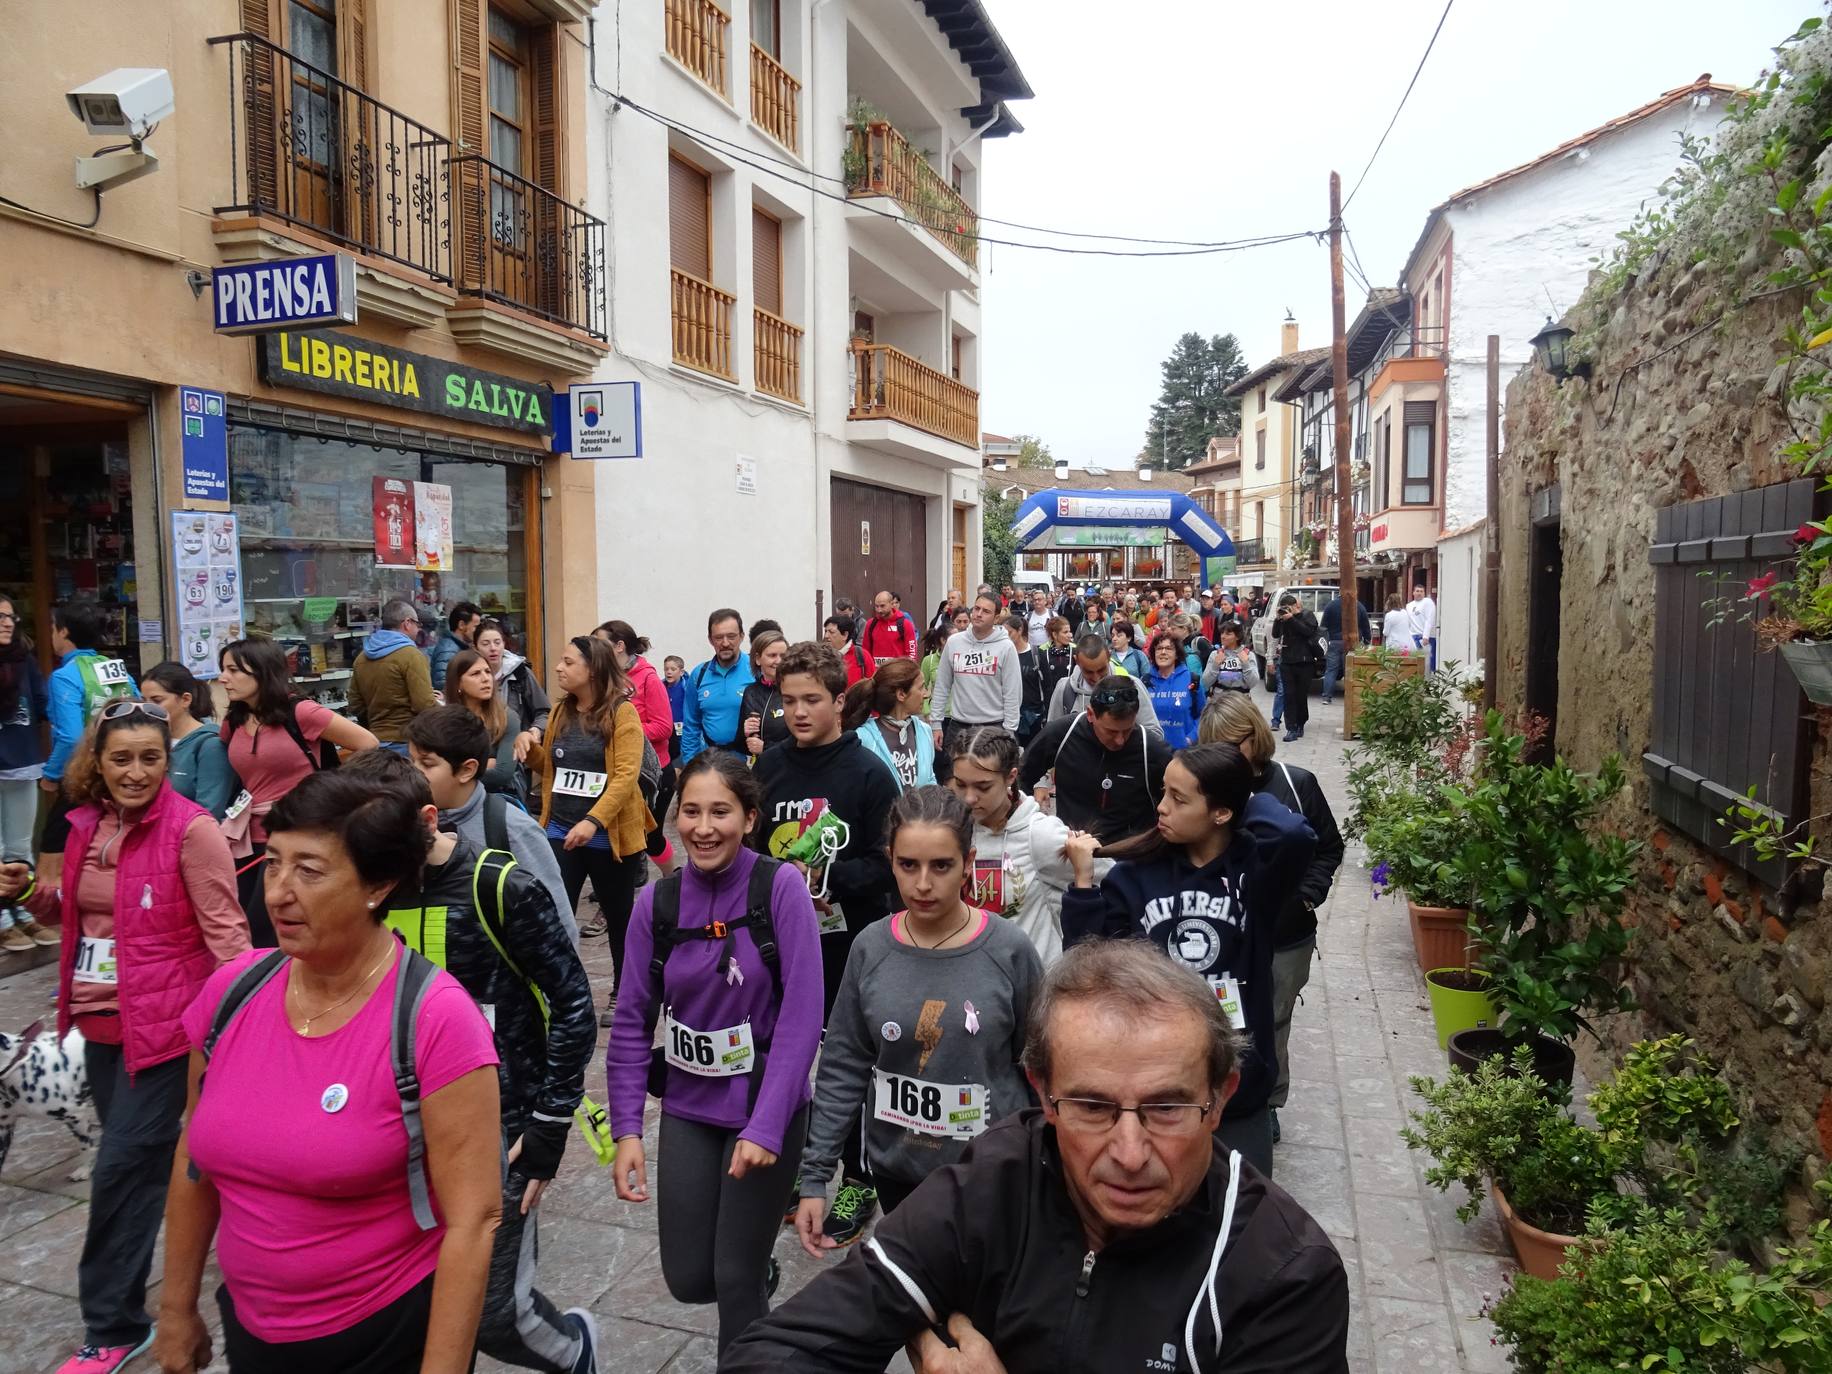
point(1806, 534)
point(1760, 585)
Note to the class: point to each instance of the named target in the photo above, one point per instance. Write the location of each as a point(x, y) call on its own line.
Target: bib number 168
point(918, 1100)
point(693, 1047)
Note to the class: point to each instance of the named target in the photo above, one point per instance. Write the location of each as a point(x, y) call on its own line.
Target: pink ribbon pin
point(973, 1019)
point(734, 976)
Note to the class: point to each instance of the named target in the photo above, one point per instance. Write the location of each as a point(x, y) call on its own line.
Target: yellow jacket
point(619, 811)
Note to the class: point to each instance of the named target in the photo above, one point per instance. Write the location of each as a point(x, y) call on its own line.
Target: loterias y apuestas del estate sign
point(363, 370)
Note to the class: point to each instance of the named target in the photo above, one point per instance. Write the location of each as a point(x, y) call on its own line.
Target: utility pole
point(1339, 359)
point(1491, 535)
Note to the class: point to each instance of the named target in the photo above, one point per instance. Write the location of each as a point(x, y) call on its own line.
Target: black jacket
point(849, 780)
point(1299, 789)
point(1058, 659)
point(764, 700)
point(1129, 807)
point(1301, 638)
point(541, 1069)
point(996, 1237)
point(524, 695)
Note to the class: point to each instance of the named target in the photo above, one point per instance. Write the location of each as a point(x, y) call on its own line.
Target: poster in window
point(209, 587)
point(432, 525)
point(394, 531)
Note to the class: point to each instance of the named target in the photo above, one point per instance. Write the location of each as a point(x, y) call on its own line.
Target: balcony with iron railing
point(880, 161)
point(775, 100)
point(1249, 551)
point(890, 385)
point(698, 37)
point(1413, 354)
point(316, 154)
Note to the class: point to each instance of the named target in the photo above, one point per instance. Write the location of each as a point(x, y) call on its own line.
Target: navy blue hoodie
point(1218, 919)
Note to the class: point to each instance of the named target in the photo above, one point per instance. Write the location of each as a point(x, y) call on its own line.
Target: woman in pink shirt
point(148, 912)
point(339, 1249)
point(273, 740)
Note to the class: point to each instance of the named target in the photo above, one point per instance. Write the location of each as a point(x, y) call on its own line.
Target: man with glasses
point(1110, 1223)
point(1109, 769)
point(711, 706)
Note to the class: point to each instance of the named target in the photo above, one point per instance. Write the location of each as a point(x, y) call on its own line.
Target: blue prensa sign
point(259, 297)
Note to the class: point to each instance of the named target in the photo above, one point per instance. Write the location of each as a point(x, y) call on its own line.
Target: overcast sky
point(1217, 119)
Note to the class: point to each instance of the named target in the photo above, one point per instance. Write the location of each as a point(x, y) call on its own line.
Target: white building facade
point(794, 281)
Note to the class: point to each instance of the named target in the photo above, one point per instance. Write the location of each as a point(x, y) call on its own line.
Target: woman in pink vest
point(149, 912)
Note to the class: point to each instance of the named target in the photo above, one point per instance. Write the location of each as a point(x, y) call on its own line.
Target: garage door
point(880, 541)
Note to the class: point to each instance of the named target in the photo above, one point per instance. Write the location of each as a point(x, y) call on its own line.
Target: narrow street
point(1418, 1277)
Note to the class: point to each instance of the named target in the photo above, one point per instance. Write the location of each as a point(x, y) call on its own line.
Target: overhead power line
point(1402, 104)
point(805, 178)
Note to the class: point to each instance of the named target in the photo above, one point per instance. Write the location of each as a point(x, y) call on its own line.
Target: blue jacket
point(68, 719)
point(1177, 698)
point(1330, 622)
point(381, 643)
point(713, 698)
point(19, 736)
point(445, 648)
point(873, 739)
point(1219, 919)
point(200, 770)
point(1133, 661)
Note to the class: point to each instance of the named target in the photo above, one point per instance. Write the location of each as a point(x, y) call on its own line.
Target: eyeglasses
point(1093, 1114)
point(8, 618)
point(123, 707)
point(1125, 694)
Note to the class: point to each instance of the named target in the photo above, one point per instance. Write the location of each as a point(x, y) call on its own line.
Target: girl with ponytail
point(885, 711)
point(1021, 863)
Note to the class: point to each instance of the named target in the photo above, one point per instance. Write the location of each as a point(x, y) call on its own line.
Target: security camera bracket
point(115, 169)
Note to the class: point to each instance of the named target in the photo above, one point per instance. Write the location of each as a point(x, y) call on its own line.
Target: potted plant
point(1797, 616)
point(1548, 885)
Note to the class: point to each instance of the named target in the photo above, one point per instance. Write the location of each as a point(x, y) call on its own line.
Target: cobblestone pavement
point(1418, 1277)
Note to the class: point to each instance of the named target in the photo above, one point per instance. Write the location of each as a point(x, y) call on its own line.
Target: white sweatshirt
point(1026, 861)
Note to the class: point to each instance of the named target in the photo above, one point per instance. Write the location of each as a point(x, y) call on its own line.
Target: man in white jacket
point(978, 679)
point(1422, 621)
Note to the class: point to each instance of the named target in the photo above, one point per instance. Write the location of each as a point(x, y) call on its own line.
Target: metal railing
point(1248, 551)
point(891, 385)
point(775, 99)
point(1415, 341)
point(881, 162)
point(698, 33)
point(522, 245)
point(311, 150)
point(702, 325)
point(776, 346)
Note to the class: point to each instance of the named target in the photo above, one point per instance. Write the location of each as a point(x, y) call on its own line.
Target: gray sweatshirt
point(978, 680)
point(527, 841)
point(1073, 693)
point(904, 1010)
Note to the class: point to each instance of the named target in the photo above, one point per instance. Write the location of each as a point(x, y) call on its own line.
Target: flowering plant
point(1797, 605)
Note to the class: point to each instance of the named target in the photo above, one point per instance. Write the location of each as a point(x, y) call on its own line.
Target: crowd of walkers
point(977, 942)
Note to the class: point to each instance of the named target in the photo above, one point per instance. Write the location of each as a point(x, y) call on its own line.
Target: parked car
point(1028, 580)
point(1313, 597)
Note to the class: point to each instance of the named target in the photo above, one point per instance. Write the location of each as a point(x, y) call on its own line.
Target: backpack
point(103, 680)
point(667, 933)
point(489, 879)
point(859, 657)
point(323, 757)
point(412, 983)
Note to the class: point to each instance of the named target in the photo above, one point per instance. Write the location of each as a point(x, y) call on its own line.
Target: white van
point(1028, 580)
point(1312, 597)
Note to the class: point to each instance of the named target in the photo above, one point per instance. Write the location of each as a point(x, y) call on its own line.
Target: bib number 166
point(693, 1047)
point(922, 1100)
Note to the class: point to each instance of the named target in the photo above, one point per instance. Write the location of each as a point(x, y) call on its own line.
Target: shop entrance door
point(880, 542)
point(67, 518)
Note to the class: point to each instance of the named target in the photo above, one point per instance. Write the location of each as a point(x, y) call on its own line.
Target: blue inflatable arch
point(1172, 509)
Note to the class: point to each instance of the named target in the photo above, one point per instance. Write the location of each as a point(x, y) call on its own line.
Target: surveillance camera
point(129, 100)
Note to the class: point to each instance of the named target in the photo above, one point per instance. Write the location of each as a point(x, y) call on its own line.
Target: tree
point(1000, 545)
point(1033, 453)
point(1191, 409)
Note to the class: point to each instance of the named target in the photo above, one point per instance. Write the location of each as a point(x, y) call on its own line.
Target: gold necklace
point(364, 982)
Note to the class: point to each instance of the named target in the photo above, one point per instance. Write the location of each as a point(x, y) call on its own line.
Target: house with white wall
point(795, 278)
point(1497, 258)
point(1266, 506)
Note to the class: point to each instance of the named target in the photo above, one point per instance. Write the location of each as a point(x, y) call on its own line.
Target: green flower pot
point(1452, 1008)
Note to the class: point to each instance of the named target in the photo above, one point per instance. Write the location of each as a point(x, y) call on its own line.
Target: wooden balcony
point(776, 345)
point(775, 100)
point(889, 385)
point(698, 37)
point(881, 162)
point(702, 326)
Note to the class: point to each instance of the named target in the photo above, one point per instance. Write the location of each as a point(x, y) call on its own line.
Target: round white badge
point(890, 1030)
point(335, 1098)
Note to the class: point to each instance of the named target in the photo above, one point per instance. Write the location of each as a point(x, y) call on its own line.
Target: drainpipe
point(823, 513)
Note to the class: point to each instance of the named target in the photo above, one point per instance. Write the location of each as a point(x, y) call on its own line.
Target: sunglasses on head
point(123, 707)
point(1123, 694)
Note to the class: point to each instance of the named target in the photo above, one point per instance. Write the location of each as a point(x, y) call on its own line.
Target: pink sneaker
point(104, 1359)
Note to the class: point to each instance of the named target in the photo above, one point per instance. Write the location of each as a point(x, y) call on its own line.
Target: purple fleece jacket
point(695, 986)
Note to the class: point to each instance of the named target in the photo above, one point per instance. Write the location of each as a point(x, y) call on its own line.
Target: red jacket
point(859, 665)
point(649, 695)
point(159, 945)
point(892, 637)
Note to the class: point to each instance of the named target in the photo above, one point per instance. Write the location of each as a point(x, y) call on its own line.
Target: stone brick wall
point(1743, 970)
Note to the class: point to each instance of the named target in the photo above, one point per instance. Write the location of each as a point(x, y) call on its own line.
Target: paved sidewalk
point(1418, 1277)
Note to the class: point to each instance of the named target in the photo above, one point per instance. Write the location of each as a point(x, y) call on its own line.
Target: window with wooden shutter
point(262, 106)
point(766, 261)
point(1727, 716)
point(689, 219)
point(470, 26)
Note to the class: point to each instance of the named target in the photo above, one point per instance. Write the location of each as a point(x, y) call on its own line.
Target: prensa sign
point(259, 297)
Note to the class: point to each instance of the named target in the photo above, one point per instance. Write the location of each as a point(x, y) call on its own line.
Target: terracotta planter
point(1540, 1252)
point(1440, 935)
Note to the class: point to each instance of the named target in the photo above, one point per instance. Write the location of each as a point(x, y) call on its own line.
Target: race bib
point(576, 782)
point(989, 887)
point(1227, 992)
point(239, 805)
point(111, 672)
point(95, 961)
point(710, 1054)
point(955, 1111)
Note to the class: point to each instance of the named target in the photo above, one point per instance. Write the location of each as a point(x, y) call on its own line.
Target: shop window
point(1416, 482)
point(308, 529)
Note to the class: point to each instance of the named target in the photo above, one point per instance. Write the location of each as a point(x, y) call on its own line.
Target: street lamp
point(1550, 345)
point(1062, 469)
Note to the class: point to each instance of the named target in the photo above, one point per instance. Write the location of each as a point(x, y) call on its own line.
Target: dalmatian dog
point(41, 1076)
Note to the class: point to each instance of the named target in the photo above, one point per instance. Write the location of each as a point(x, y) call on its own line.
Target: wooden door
point(1544, 595)
point(880, 542)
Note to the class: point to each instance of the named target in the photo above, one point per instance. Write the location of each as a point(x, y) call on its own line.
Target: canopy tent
point(1047, 510)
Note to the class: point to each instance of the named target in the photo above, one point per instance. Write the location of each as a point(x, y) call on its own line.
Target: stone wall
point(1743, 970)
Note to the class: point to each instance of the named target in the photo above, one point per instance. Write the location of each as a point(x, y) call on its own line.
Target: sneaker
point(36, 933)
point(592, 929)
point(1276, 722)
point(583, 1322)
point(610, 1011)
point(772, 1278)
point(853, 1208)
point(15, 941)
point(104, 1359)
point(1290, 735)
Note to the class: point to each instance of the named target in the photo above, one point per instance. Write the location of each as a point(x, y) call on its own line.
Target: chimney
point(1288, 335)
